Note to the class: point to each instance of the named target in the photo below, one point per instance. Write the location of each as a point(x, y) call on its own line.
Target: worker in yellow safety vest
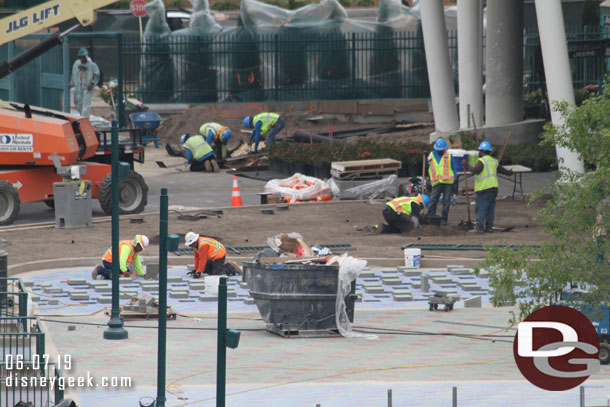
point(217, 136)
point(264, 124)
point(402, 214)
point(485, 186)
point(129, 252)
point(442, 175)
point(210, 256)
point(199, 153)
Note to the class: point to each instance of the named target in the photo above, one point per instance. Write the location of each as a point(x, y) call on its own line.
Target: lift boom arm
point(47, 15)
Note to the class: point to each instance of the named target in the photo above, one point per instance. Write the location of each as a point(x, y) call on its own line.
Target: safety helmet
point(485, 146)
point(425, 200)
point(226, 135)
point(184, 137)
point(441, 144)
point(82, 52)
point(190, 238)
point(142, 240)
point(247, 121)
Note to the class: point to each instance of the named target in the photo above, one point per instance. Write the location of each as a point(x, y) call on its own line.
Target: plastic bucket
point(473, 157)
point(412, 258)
point(434, 220)
point(458, 154)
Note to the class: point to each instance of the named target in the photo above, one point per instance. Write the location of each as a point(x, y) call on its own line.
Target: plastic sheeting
point(156, 65)
point(299, 188)
point(383, 188)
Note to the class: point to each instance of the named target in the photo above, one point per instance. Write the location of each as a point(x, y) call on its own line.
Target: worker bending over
point(402, 214)
point(210, 256)
point(199, 153)
point(85, 75)
point(217, 136)
point(129, 252)
point(264, 124)
point(485, 186)
point(442, 173)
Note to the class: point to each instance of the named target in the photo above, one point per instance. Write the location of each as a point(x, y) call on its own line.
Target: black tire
point(133, 194)
point(431, 307)
point(50, 203)
point(9, 203)
point(604, 354)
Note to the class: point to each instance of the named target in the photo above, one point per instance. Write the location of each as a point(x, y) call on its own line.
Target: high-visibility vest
point(124, 244)
point(441, 172)
point(215, 249)
point(488, 177)
point(216, 128)
point(402, 204)
point(268, 120)
point(198, 147)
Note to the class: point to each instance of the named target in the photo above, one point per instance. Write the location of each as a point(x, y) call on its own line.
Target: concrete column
point(504, 67)
point(470, 30)
point(440, 75)
point(556, 69)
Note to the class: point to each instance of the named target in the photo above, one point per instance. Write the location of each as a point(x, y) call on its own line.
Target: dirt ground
point(319, 223)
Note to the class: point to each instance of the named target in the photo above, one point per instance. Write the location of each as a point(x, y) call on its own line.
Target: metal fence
point(22, 339)
point(37, 383)
point(276, 67)
point(13, 297)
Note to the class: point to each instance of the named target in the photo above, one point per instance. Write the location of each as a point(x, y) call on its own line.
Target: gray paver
point(208, 298)
point(473, 302)
point(104, 300)
point(103, 289)
point(77, 281)
point(152, 271)
point(178, 294)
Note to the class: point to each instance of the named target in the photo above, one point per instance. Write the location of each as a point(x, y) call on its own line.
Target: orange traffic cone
point(236, 196)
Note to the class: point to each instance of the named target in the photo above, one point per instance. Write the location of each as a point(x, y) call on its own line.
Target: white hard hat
point(190, 238)
point(142, 240)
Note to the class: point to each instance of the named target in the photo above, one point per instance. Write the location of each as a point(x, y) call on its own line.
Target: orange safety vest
point(403, 204)
point(132, 251)
point(441, 172)
point(216, 250)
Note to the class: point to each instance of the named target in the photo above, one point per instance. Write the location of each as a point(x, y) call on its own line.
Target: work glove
point(90, 86)
point(416, 222)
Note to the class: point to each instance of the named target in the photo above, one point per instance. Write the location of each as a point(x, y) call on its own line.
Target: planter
point(322, 172)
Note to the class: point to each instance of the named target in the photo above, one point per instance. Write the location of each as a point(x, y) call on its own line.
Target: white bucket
point(412, 258)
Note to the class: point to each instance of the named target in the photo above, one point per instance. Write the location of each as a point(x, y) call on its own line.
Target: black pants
point(397, 223)
point(215, 267)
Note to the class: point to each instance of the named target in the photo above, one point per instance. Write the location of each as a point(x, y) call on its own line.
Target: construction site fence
point(13, 298)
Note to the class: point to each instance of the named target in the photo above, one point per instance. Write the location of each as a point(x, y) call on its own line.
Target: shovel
point(467, 225)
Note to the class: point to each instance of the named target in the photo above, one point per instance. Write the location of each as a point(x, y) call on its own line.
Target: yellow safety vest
point(441, 172)
point(198, 147)
point(487, 178)
point(216, 128)
point(268, 120)
point(402, 204)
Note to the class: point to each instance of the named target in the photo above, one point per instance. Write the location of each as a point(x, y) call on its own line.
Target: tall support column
point(440, 75)
point(504, 68)
point(557, 69)
point(470, 33)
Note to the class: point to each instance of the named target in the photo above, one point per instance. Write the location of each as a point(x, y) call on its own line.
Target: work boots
point(215, 166)
point(207, 166)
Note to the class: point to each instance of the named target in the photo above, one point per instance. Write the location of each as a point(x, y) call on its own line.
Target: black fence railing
point(13, 297)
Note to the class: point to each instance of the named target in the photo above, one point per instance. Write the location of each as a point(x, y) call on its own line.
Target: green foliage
point(225, 6)
point(575, 219)
point(538, 157)
point(364, 3)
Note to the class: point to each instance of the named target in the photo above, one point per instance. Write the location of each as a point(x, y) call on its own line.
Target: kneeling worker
point(129, 252)
point(217, 136)
point(199, 153)
point(402, 213)
point(264, 124)
point(210, 256)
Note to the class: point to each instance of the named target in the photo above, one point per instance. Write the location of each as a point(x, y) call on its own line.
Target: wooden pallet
point(384, 164)
point(361, 175)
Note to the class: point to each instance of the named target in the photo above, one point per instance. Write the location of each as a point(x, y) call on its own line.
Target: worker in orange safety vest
point(442, 173)
point(129, 252)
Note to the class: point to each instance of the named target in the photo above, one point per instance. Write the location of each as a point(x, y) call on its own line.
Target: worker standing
point(210, 256)
point(485, 186)
point(217, 136)
point(442, 173)
point(199, 153)
point(264, 124)
point(85, 75)
point(129, 252)
point(402, 214)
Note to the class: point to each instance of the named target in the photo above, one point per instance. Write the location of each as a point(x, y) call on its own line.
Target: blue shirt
point(256, 134)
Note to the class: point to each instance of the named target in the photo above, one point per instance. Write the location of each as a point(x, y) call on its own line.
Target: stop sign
point(137, 8)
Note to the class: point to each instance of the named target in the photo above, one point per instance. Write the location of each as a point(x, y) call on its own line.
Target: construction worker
point(129, 252)
point(485, 186)
point(210, 256)
point(199, 153)
point(402, 214)
point(264, 124)
point(216, 135)
point(85, 75)
point(442, 175)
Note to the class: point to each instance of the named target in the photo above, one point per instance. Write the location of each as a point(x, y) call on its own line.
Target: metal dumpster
point(296, 299)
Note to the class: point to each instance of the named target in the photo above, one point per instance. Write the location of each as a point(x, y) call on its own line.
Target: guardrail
point(21, 339)
point(40, 384)
point(13, 297)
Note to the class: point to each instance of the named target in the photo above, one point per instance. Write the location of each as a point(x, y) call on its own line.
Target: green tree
point(575, 219)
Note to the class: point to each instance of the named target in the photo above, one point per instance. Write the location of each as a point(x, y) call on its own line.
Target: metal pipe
point(221, 354)
point(162, 331)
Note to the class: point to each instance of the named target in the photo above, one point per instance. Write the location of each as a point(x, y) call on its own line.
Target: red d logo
point(556, 348)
